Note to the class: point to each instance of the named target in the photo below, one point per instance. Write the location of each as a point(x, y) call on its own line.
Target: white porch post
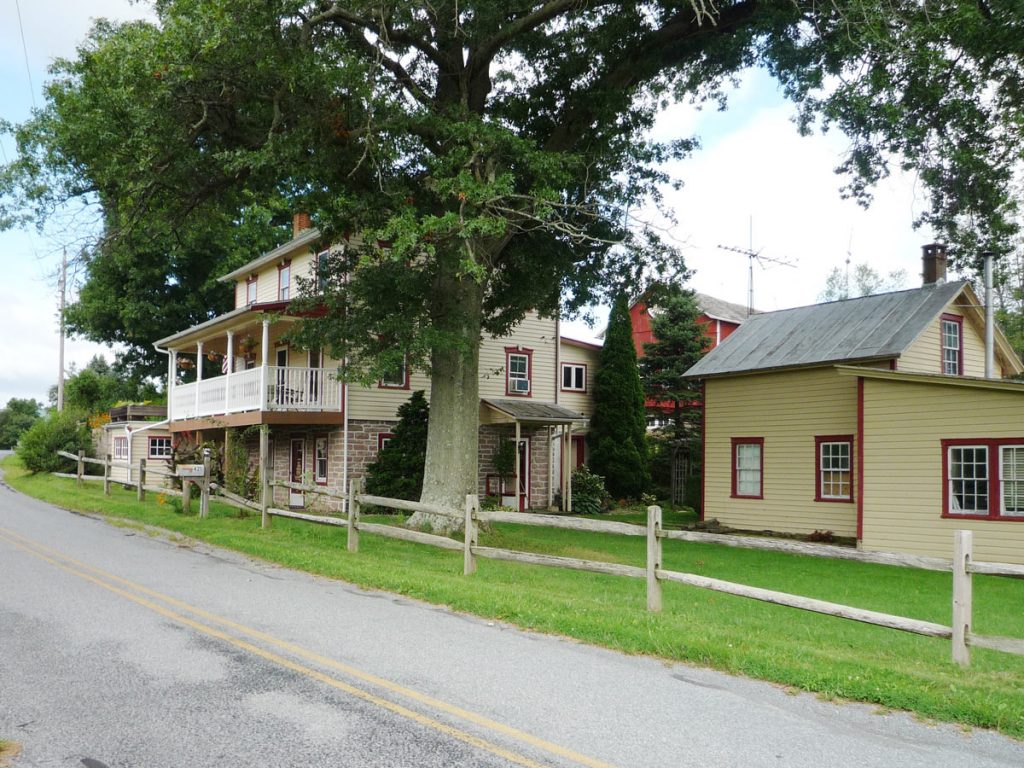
point(263, 366)
point(570, 465)
point(518, 459)
point(172, 368)
point(565, 466)
point(230, 357)
point(199, 372)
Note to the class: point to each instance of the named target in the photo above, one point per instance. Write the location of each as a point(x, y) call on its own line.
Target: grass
point(834, 658)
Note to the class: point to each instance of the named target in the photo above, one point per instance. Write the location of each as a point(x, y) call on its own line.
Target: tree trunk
point(450, 471)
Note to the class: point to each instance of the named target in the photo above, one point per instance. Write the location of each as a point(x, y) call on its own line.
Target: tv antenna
point(752, 256)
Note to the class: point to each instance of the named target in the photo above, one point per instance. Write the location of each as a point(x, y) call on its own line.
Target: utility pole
point(63, 296)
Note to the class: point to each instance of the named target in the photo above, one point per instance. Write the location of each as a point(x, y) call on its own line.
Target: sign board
point(190, 470)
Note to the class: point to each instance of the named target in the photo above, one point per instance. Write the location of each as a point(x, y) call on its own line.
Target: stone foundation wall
point(540, 461)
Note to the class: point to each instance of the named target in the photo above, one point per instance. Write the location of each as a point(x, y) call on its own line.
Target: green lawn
point(830, 656)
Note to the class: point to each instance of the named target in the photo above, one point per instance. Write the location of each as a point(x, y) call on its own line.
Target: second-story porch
point(245, 373)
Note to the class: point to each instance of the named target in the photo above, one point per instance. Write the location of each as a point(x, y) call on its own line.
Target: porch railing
point(271, 388)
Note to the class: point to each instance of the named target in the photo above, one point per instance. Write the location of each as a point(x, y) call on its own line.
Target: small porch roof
point(528, 411)
point(236, 318)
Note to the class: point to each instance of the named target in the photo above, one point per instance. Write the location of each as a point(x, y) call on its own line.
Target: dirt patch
point(8, 751)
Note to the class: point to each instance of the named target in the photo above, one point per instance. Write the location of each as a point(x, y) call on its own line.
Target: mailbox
point(190, 470)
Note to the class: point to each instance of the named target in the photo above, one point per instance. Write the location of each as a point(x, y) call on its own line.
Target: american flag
point(224, 364)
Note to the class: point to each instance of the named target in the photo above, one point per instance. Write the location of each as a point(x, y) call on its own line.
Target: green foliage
point(99, 386)
point(589, 496)
point(15, 418)
point(504, 459)
point(398, 471)
point(866, 282)
point(618, 427)
point(57, 432)
point(241, 477)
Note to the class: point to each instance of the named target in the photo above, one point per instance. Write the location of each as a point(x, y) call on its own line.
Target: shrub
point(398, 471)
point(57, 432)
point(589, 496)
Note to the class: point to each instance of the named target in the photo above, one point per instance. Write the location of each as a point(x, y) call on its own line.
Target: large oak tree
point(486, 154)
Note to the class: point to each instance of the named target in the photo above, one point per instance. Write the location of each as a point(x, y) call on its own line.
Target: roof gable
point(867, 328)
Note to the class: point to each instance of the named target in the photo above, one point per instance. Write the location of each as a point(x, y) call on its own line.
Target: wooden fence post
point(653, 558)
point(186, 496)
point(106, 475)
point(962, 599)
point(470, 535)
point(141, 490)
point(355, 486)
point(264, 480)
point(81, 467)
point(204, 488)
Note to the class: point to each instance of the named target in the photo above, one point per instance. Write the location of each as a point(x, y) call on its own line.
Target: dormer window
point(284, 281)
point(952, 345)
point(518, 364)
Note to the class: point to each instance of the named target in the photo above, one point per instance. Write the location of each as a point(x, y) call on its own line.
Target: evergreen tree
point(398, 471)
point(680, 341)
point(618, 427)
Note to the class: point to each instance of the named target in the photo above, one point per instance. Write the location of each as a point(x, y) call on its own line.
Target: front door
point(298, 467)
point(508, 497)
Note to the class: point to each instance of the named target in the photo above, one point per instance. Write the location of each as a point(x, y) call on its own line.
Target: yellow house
point(236, 370)
point(871, 418)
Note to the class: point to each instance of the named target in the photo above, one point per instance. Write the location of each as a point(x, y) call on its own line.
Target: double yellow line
point(232, 632)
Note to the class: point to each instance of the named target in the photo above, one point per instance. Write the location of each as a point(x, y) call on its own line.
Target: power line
point(24, 50)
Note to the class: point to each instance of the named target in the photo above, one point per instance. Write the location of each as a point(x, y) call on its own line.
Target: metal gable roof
point(867, 328)
point(533, 410)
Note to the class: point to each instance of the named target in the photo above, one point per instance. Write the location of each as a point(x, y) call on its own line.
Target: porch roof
point(532, 411)
point(223, 322)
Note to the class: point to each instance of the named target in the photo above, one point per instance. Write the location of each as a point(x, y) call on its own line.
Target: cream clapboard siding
point(904, 424)
point(266, 278)
point(139, 450)
point(581, 355)
point(788, 409)
point(925, 354)
point(534, 333)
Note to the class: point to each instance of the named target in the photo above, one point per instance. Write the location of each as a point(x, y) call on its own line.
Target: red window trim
point(406, 385)
point(736, 441)
point(252, 280)
point(381, 437)
point(818, 440)
point(561, 379)
point(327, 455)
point(149, 447)
point(995, 491)
point(280, 268)
point(528, 354)
point(958, 319)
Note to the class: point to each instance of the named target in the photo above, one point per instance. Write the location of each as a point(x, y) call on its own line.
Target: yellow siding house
point(870, 418)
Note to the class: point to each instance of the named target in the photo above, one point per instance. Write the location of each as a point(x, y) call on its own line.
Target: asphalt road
point(140, 651)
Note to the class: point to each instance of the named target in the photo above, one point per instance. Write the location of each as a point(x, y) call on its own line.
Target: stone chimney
point(933, 258)
point(300, 223)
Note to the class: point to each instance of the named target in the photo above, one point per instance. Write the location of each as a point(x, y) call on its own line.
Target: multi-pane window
point(397, 377)
point(968, 479)
point(160, 448)
point(320, 460)
point(748, 467)
point(120, 447)
point(952, 345)
point(574, 377)
point(518, 374)
point(284, 281)
point(834, 470)
point(1011, 480)
point(250, 290)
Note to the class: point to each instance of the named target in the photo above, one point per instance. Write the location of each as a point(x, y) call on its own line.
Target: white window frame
point(1016, 476)
point(321, 455)
point(284, 281)
point(830, 477)
point(952, 355)
point(251, 290)
point(399, 382)
point(515, 375)
point(577, 377)
point(119, 449)
point(163, 451)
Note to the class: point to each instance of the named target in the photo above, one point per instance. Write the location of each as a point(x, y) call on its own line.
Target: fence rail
point(961, 565)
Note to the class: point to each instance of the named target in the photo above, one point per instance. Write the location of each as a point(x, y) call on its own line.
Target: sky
point(754, 183)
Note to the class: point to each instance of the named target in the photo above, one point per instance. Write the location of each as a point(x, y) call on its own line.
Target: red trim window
point(321, 263)
point(983, 478)
point(160, 448)
point(397, 377)
point(748, 467)
point(574, 377)
point(284, 281)
point(383, 438)
point(250, 289)
point(120, 448)
point(518, 371)
point(834, 462)
point(320, 459)
point(952, 335)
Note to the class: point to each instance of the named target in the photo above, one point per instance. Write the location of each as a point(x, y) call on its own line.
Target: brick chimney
point(933, 258)
point(300, 223)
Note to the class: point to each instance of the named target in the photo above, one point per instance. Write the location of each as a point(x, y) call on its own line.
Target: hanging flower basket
point(186, 364)
point(247, 345)
point(212, 357)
